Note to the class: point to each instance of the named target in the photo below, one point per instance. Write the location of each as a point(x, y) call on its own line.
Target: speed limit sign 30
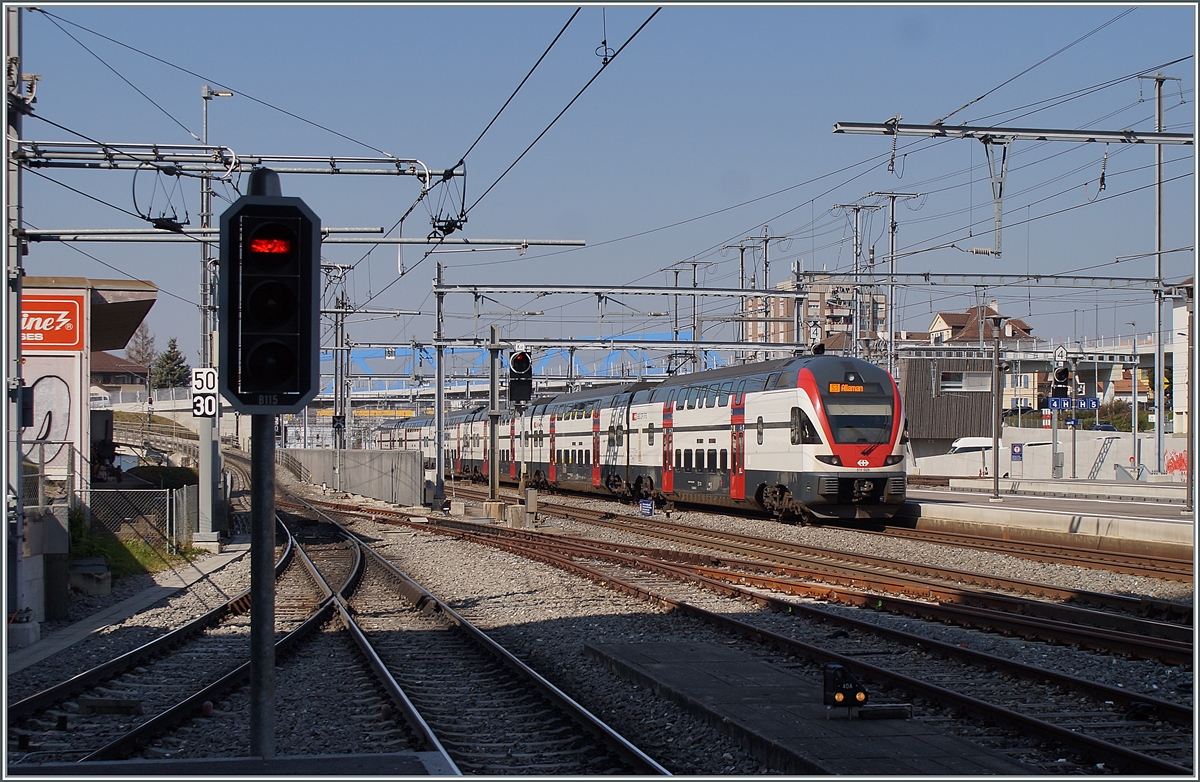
point(204, 392)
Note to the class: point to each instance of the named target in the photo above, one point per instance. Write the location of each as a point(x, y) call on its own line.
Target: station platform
point(1132, 491)
point(1144, 518)
point(180, 577)
point(780, 717)
point(389, 765)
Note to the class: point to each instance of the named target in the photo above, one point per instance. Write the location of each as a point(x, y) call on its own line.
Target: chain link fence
point(163, 519)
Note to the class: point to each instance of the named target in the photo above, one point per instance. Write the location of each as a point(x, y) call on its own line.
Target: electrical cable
point(522, 84)
point(1119, 16)
point(564, 111)
point(85, 195)
point(217, 83)
point(122, 272)
point(121, 77)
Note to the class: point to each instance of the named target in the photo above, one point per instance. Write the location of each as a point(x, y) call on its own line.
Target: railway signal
point(1059, 379)
point(269, 304)
point(520, 376)
point(842, 688)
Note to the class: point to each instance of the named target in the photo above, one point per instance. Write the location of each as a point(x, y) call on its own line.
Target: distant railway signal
point(269, 304)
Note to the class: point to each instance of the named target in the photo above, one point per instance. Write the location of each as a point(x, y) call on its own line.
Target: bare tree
point(140, 349)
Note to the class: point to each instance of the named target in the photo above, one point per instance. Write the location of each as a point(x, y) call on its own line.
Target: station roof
point(118, 306)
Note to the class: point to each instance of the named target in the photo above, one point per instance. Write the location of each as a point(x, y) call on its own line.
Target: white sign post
point(204, 392)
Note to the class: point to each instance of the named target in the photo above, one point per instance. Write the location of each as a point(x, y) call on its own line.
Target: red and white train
point(811, 437)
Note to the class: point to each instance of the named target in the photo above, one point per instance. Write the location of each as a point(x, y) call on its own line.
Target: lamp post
point(997, 322)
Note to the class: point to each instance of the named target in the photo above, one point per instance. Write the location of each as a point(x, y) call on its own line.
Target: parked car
point(1103, 426)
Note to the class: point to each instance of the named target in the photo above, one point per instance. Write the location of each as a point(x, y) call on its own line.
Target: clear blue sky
point(711, 124)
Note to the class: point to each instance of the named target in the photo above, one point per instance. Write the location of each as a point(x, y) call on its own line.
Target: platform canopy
point(118, 306)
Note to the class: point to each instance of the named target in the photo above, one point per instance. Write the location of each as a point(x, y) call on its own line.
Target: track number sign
point(204, 392)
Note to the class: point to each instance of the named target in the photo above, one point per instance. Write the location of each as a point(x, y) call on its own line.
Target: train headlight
point(833, 459)
point(893, 460)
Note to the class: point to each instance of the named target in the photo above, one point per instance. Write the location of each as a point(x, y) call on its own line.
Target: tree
point(140, 349)
point(170, 369)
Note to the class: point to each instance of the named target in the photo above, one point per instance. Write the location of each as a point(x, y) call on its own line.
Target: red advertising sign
point(51, 322)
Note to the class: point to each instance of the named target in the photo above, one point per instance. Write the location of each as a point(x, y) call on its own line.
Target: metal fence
point(162, 519)
point(50, 472)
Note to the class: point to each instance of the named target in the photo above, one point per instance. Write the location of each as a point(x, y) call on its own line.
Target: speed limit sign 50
point(204, 392)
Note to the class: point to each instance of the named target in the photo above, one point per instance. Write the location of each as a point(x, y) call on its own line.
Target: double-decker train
point(810, 437)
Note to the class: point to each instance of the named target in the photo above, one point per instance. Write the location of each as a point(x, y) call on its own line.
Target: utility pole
point(741, 323)
point(208, 429)
point(891, 296)
point(856, 296)
point(766, 240)
point(1159, 299)
point(18, 103)
point(439, 393)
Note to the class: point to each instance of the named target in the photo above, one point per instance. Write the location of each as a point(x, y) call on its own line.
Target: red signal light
point(274, 246)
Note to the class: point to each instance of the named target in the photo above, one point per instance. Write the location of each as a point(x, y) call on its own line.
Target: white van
point(970, 445)
point(99, 399)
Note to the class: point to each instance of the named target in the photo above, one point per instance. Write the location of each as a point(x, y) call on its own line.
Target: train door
point(596, 445)
point(512, 448)
point(485, 448)
point(737, 448)
point(668, 462)
point(550, 460)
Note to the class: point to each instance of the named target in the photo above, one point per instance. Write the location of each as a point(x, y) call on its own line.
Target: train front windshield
point(858, 411)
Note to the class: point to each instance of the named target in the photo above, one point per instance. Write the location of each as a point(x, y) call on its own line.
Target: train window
point(612, 436)
point(587, 457)
point(650, 434)
point(711, 398)
point(699, 459)
point(803, 430)
point(723, 397)
point(712, 459)
point(724, 460)
point(741, 387)
point(558, 456)
point(678, 459)
point(672, 394)
point(759, 426)
point(687, 459)
point(772, 380)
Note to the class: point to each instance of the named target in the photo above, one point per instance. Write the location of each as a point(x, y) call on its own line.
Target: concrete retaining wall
point(1036, 463)
point(391, 476)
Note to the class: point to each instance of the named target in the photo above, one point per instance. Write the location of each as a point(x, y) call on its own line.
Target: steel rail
point(425, 735)
point(1172, 568)
point(238, 604)
point(423, 599)
point(162, 721)
point(1137, 762)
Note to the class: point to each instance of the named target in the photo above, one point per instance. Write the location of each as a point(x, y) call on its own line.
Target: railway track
point(1124, 730)
point(490, 712)
point(108, 710)
point(1173, 568)
point(1128, 625)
